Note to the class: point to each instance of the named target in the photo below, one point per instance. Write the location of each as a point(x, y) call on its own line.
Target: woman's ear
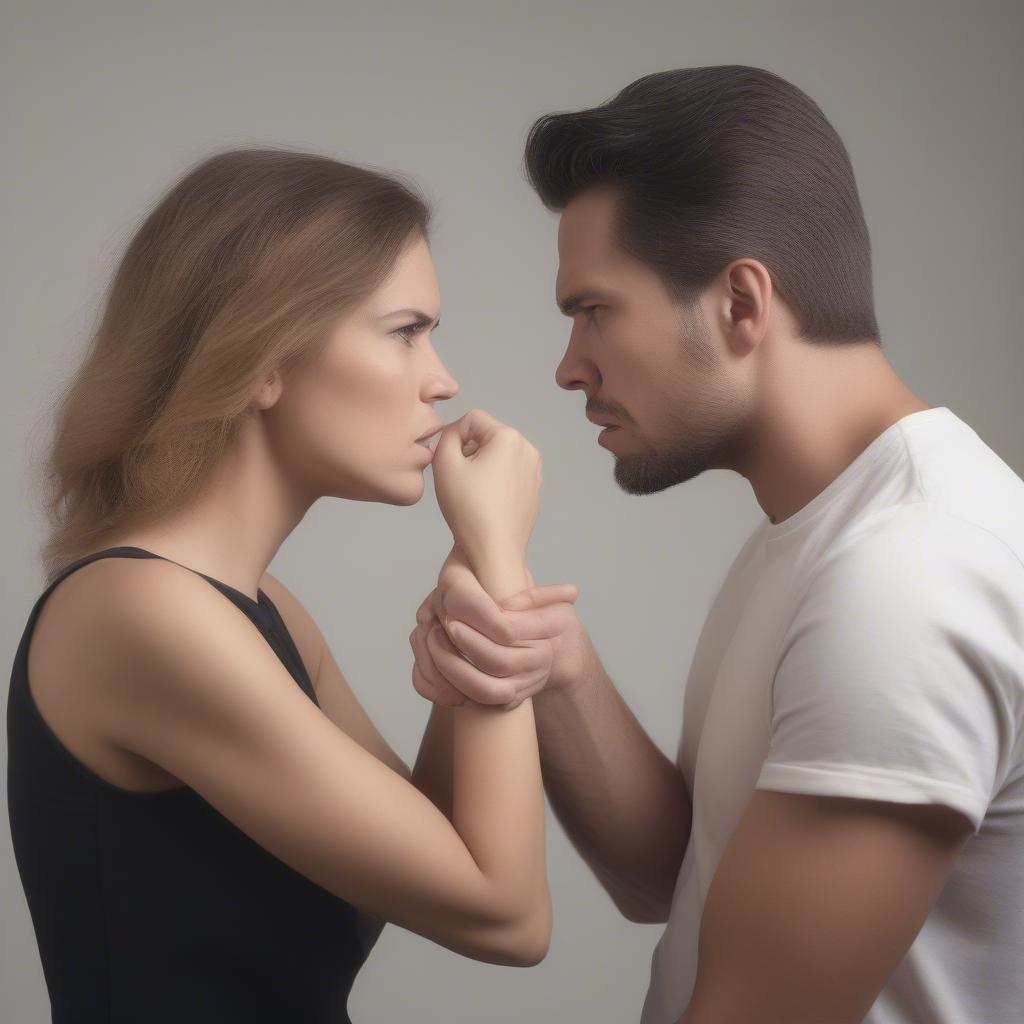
point(746, 304)
point(269, 392)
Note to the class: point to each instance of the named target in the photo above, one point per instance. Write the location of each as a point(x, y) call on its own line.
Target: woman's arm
point(335, 696)
point(185, 680)
point(497, 791)
point(432, 773)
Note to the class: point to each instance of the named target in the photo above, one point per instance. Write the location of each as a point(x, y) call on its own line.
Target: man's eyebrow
point(421, 317)
point(569, 305)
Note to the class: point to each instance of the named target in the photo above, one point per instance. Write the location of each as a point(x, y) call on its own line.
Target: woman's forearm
point(497, 792)
point(432, 772)
point(480, 766)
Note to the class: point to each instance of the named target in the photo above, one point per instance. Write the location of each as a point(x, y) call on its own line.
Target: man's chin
point(639, 474)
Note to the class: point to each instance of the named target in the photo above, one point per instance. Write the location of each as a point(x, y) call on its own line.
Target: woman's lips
point(431, 439)
point(429, 445)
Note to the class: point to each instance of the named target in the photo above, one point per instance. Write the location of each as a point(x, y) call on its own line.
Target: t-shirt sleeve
point(900, 677)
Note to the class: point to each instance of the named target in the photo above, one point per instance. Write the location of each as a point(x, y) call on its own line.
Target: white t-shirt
point(872, 645)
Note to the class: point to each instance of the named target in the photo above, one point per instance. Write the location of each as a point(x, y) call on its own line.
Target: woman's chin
point(411, 494)
point(401, 487)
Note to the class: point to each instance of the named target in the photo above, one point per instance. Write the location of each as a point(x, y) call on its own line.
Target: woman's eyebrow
point(421, 317)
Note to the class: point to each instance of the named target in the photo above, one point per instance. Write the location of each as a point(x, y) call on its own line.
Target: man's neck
point(831, 405)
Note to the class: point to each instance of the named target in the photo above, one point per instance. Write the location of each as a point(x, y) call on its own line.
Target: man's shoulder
point(925, 529)
point(908, 559)
point(966, 486)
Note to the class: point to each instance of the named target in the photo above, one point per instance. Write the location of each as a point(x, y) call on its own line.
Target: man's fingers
point(469, 680)
point(496, 660)
point(425, 611)
point(540, 623)
point(487, 655)
point(425, 674)
point(431, 609)
point(538, 597)
point(448, 699)
point(460, 597)
point(513, 630)
point(466, 601)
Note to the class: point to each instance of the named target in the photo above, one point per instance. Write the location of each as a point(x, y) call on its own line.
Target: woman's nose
point(442, 384)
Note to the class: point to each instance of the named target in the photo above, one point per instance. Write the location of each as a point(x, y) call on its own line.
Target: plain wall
point(106, 103)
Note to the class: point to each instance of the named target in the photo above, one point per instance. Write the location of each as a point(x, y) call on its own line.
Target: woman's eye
point(408, 333)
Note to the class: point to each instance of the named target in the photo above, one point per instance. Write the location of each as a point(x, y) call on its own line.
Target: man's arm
point(622, 802)
point(814, 903)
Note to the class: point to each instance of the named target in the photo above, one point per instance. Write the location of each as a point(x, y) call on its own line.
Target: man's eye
point(590, 311)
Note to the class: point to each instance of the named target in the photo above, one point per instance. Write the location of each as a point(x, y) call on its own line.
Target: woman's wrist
point(501, 573)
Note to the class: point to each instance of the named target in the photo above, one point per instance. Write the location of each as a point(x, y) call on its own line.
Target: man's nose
point(574, 372)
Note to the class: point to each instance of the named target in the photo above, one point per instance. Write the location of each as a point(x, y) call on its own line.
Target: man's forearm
point(622, 802)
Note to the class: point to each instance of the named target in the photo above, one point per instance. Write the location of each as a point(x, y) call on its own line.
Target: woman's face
point(348, 420)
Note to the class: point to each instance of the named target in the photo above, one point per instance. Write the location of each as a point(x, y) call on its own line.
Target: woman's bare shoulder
point(100, 591)
point(86, 604)
point(102, 584)
point(101, 623)
point(84, 651)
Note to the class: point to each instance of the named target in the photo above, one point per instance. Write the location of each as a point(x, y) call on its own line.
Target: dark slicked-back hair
point(713, 164)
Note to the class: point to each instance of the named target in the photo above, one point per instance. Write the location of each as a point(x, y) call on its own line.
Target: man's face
point(647, 363)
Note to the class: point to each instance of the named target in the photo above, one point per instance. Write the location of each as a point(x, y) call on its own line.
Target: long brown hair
point(237, 271)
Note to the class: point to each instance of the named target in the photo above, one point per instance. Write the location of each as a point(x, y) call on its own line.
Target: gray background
point(105, 103)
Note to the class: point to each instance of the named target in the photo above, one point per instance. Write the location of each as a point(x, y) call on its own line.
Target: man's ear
point(744, 301)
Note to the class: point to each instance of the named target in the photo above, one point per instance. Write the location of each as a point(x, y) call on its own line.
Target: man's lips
point(604, 438)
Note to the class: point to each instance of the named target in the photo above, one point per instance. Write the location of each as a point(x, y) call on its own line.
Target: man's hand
point(467, 646)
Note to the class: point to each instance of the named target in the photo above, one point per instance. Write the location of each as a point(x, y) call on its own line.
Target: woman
point(207, 825)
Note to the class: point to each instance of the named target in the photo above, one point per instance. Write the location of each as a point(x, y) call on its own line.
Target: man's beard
point(711, 437)
point(683, 460)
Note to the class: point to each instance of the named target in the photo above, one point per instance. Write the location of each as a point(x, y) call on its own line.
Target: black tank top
point(153, 907)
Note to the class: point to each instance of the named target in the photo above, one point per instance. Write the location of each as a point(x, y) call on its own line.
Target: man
point(841, 835)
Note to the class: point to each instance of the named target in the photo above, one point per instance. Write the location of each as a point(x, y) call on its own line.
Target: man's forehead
point(585, 250)
point(588, 220)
